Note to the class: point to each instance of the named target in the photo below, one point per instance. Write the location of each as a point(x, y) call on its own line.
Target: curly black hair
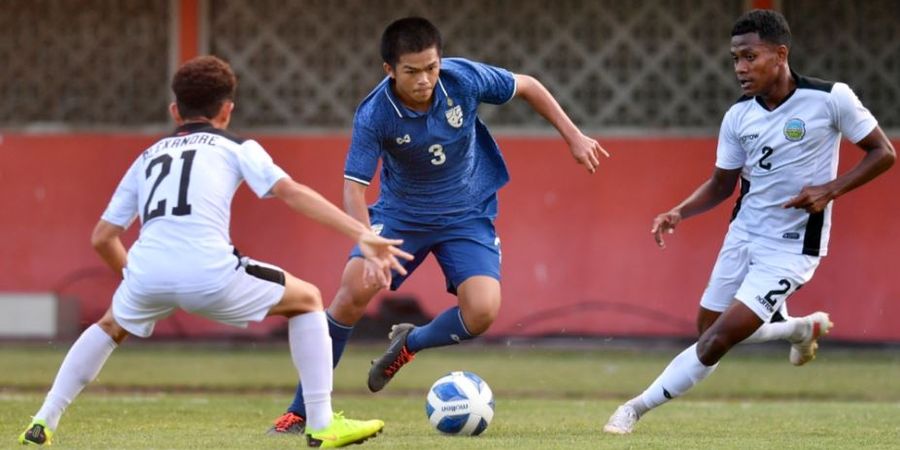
point(770, 25)
point(201, 85)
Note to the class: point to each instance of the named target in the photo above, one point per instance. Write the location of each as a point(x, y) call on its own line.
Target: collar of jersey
point(192, 127)
point(797, 82)
point(439, 99)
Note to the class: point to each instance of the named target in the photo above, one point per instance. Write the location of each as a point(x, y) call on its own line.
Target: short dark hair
point(770, 25)
point(201, 85)
point(408, 35)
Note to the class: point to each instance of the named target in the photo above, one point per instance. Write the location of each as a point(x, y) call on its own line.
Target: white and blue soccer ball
point(460, 403)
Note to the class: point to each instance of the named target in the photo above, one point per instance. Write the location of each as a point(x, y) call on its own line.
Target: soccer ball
point(460, 403)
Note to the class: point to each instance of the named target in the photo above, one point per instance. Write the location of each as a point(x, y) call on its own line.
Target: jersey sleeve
point(258, 169)
point(729, 153)
point(362, 157)
point(493, 85)
point(123, 207)
point(853, 119)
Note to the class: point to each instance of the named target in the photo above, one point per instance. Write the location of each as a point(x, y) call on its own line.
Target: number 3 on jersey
point(182, 208)
point(438, 151)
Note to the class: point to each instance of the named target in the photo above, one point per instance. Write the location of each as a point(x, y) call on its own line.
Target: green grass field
point(166, 396)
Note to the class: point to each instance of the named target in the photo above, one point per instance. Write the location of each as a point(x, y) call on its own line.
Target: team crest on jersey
point(794, 129)
point(454, 116)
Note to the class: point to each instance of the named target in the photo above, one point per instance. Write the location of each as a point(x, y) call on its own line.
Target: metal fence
point(633, 66)
point(83, 63)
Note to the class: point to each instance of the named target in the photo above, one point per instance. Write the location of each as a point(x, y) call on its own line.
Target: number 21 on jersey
point(164, 161)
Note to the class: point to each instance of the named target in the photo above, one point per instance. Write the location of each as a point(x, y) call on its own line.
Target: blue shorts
point(463, 250)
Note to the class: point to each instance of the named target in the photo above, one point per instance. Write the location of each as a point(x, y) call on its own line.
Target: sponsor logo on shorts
point(791, 235)
point(763, 301)
point(377, 228)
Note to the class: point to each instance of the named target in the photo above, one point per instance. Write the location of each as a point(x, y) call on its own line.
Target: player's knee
point(479, 320)
point(358, 298)
point(712, 347)
point(300, 297)
point(309, 299)
point(350, 303)
point(480, 324)
point(112, 328)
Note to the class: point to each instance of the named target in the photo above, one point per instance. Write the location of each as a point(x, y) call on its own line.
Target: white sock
point(80, 367)
point(683, 373)
point(788, 330)
point(311, 352)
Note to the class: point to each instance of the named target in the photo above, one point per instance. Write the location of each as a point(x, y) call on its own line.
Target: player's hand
point(376, 276)
point(587, 151)
point(664, 223)
point(383, 254)
point(813, 199)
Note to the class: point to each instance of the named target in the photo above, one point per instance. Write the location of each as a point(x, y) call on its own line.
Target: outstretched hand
point(381, 257)
point(587, 151)
point(664, 223)
point(813, 199)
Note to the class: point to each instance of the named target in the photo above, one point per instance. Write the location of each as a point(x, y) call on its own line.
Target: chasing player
point(781, 139)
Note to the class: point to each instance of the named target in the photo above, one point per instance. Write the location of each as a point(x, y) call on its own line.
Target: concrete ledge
point(30, 315)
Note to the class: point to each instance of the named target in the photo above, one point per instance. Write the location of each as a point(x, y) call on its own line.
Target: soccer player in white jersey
point(781, 139)
point(181, 187)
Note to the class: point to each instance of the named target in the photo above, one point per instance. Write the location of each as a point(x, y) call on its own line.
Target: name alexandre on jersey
point(180, 141)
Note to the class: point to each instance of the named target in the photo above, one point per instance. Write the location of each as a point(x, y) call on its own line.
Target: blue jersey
point(438, 167)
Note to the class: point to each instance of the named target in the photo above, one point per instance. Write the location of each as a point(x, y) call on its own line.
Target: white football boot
point(817, 324)
point(622, 421)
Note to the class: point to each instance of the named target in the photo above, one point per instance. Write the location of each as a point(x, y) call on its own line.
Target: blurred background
point(84, 89)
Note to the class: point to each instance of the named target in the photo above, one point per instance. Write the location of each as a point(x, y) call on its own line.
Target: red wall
point(577, 254)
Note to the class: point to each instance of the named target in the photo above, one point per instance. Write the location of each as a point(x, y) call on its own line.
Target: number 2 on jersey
point(182, 208)
point(767, 152)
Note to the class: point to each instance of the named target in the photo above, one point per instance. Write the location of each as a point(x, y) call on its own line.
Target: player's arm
point(355, 201)
point(310, 203)
point(715, 190)
point(355, 205)
point(120, 213)
point(880, 156)
point(107, 243)
point(585, 150)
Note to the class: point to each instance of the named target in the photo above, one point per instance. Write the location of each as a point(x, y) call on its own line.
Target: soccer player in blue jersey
point(441, 171)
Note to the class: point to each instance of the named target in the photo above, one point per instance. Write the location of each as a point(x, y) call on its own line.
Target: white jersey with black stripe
point(181, 187)
point(783, 150)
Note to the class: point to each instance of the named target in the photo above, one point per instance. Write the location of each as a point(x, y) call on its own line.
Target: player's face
point(415, 76)
point(756, 63)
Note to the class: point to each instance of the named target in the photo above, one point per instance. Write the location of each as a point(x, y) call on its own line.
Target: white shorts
point(246, 297)
point(759, 277)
